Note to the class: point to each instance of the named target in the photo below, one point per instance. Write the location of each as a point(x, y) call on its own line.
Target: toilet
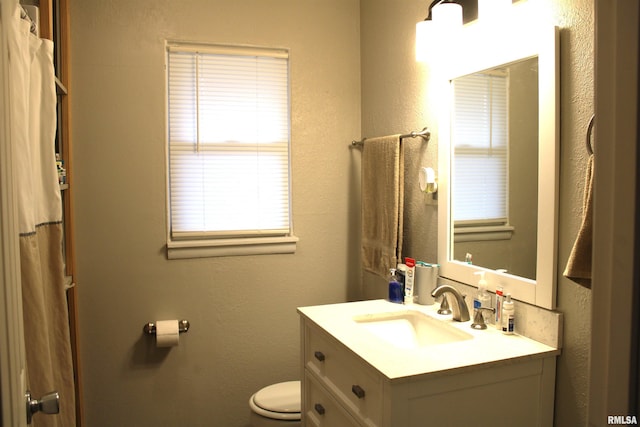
point(277, 405)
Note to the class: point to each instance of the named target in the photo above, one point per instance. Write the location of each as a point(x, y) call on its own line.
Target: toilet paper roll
point(426, 280)
point(167, 333)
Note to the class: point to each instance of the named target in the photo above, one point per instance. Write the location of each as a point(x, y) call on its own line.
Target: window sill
point(483, 233)
point(231, 247)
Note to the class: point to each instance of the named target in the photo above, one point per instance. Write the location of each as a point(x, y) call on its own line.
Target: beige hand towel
point(578, 266)
point(382, 203)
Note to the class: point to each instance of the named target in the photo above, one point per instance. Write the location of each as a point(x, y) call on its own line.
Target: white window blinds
point(228, 117)
point(480, 135)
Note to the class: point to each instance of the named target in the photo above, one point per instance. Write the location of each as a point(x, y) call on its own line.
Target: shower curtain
point(39, 208)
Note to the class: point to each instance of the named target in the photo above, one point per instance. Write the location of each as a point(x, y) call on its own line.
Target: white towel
point(382, 203)
point(33, 127)
point(578, 266)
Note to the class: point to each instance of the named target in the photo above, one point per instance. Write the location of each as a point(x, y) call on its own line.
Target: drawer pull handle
point(319, 408)
point(319, 355)
point(358, 391)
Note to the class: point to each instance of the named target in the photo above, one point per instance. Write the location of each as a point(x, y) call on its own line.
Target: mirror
point(494, 167)
point(499, 185)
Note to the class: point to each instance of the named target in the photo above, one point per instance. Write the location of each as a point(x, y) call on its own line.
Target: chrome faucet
point(459, 306)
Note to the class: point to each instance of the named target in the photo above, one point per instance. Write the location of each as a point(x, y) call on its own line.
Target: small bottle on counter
point(499, 304)
point(508, 316)
point(396, 293)
point(409, 280)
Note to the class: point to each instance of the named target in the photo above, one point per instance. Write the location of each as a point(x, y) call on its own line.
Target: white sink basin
point(410, 329)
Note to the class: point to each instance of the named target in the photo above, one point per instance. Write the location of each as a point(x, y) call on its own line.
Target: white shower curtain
point(33, 125)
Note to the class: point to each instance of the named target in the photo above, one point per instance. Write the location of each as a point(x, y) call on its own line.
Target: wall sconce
point(445, 19)
point(442, 22)
point(428, 182)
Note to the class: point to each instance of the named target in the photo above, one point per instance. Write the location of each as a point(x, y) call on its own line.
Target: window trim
point(185, 247)
point(482, 230)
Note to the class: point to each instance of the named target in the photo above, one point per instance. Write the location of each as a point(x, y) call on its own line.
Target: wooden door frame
point(612, 362)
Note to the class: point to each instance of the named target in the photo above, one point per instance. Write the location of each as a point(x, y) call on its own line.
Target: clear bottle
point(508, 316)
point(395, 288)
point(482, 297)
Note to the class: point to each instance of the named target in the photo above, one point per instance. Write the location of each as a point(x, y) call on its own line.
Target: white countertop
point(487, 347)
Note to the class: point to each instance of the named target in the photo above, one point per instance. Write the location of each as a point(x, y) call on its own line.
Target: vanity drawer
point(322, 410)
point(357, 386)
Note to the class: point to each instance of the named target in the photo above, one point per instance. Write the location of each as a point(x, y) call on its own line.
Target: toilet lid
point(281, 397)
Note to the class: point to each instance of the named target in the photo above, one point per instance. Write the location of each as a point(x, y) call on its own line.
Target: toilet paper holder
point(150, 328)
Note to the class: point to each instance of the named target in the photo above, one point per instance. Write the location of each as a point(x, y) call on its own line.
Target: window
point(228, 151)
point(481, 153)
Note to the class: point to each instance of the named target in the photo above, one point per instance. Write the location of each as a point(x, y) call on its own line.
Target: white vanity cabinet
point(340, 388)
point(330, 366)
point(320, 408)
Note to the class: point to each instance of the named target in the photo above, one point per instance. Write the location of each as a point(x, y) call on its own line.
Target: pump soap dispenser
point(481, 303)
point(396, 293)
point(482, 298)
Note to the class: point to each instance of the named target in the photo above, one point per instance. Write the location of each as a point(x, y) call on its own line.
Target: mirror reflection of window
point(480, 135)
point(494, 167)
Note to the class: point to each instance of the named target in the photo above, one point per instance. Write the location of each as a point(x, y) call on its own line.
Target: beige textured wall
point(395, 98)
point(244, 327)
point(576, 21)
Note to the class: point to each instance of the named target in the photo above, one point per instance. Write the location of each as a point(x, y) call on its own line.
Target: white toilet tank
point(276, 405)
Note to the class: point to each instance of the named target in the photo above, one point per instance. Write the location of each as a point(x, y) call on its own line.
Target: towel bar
point(590, 134)
point(424, 133)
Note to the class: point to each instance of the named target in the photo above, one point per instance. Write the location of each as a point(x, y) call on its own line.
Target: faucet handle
point(444, 306)
point(478, 318)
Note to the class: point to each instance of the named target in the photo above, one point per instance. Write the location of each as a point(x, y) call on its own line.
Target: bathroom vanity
point(375, 363)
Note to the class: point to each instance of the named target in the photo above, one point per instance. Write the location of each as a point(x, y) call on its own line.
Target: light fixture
point(443, 21)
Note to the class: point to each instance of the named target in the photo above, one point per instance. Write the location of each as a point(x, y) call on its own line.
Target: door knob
point(49, 404)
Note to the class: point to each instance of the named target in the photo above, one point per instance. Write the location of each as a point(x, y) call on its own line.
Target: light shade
point(424, 36)
point(493, 10)
point(447, 16)
point(433, 34)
